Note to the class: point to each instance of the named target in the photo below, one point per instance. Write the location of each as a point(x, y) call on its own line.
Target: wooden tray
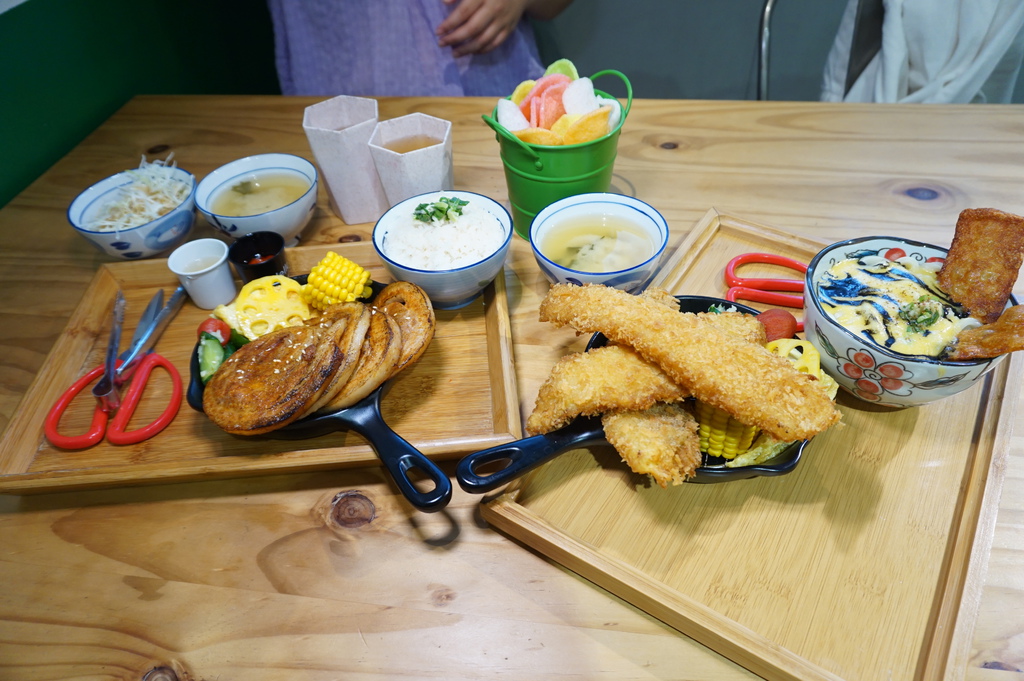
point(461, 396)
point(853, 566)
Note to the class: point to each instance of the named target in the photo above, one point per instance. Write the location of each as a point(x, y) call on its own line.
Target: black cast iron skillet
point(364, 417)
point(516, 458)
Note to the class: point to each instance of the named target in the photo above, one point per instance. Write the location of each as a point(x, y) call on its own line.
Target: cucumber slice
point(211, 356)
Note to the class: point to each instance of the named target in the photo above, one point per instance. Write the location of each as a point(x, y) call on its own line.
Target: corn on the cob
point(722, 435)
point(335, 279)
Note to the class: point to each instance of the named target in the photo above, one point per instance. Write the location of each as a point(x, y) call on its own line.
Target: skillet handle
point(398, 456)
point(526, 454)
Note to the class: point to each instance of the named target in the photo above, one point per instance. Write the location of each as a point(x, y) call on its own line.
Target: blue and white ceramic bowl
point(600, 206)
point(453, 288)
point(288, 221)
point(865, 368)
point(144, 241)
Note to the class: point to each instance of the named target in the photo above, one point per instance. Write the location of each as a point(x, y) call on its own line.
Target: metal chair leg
point(762, 54)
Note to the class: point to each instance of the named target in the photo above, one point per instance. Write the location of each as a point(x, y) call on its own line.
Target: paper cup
point(338, 131)
point(202, 268)
point(413, 156)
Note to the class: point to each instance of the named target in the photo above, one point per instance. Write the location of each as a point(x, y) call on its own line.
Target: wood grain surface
point(256, 578)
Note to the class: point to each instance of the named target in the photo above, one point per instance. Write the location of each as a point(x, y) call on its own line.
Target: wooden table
point(250, 578)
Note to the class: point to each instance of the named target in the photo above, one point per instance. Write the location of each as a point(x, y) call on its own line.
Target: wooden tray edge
point(974, 540)
point(702, 624)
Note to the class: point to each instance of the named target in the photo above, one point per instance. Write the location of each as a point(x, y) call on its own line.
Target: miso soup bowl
point(288, 221)
point(448, 289)
point(599, 207)
point(866, 369)
point(144, 241)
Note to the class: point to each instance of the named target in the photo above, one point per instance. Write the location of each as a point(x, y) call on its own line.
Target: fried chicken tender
point(661, 296)
point(1004, 335)
point(661, 441)
point(738, 323)
point(611, 378)
point(717, 367)
point(983, 261)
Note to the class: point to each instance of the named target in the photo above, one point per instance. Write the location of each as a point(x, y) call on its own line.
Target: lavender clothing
point(388, 48)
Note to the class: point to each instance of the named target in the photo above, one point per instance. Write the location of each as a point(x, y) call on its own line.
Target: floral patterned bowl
point(865, 368)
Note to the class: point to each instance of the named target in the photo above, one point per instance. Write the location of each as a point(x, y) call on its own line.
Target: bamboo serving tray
point(459, 397)
point(854, 566)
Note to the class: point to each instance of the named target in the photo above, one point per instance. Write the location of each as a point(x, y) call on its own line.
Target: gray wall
point(700, 49)
point(697, 49)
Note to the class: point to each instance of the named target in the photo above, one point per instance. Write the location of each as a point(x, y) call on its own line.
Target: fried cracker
point(1004, 335)
point(983, 262)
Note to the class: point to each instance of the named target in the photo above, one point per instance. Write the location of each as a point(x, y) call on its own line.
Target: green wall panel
point(67, 65)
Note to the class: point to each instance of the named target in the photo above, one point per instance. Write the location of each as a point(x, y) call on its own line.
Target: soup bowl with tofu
point(599, 238)
point(875, 311)
point(262, 193)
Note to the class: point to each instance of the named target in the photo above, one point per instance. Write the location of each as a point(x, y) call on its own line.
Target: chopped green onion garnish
point(444, 209)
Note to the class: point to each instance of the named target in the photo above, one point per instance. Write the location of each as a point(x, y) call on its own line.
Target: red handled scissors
point(765, 290)
point(135, 365)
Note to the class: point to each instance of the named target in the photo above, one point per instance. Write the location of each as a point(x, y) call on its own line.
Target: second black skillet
point(513, 459)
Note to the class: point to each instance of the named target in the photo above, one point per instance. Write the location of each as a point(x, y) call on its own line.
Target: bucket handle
point(504, 132)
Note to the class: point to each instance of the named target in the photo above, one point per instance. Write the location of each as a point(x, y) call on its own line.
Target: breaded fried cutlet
point(1004, 335)
point(660, 295)
point(739, 324)
point(611, 378)
point(744, 379)
point(661, 441)
point(983, 262)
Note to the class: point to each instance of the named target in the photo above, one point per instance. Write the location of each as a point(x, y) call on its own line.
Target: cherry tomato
point(217, 328)
point(778, 323)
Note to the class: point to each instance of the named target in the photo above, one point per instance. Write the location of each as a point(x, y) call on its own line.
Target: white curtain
point(933, 51)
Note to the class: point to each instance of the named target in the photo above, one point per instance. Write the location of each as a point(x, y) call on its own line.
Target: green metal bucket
point(538, 175)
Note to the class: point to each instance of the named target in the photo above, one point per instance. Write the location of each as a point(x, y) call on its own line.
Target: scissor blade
point(142, 332)
point(105, 388)
point(154, 320)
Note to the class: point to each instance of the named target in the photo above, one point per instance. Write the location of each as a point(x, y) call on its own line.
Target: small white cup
point(202, 268)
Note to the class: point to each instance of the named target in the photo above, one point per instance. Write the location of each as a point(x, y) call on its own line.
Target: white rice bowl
point(453, 261)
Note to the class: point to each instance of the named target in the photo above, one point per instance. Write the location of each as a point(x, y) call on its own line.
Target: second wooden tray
point(851, 567)
point(461, 396)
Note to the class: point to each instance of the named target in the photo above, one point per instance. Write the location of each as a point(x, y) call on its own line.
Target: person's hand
point(479, 26)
